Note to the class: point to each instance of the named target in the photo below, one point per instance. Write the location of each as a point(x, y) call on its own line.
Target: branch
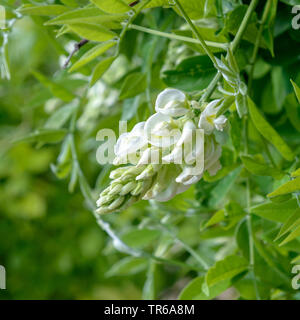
point(233, 46)
point(77, 47)
point(220, 45)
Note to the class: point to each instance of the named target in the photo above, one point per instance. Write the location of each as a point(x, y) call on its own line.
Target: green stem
point(234, 44)
point(197, 34)
point(149, 63)
point(177, 37)
point(268, 152)
point(257, 42)
point(243, 25)
point(211, 87)
point(129, 22)
point(189, 249)
point(249, 217)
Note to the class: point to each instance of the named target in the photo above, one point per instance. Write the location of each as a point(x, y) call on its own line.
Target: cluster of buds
point(166, 154)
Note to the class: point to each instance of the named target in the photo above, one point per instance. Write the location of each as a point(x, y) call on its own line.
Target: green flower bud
point(115, 189)
point(138, 189)
point(128, 187)
point(104, 200)
point(116, 203)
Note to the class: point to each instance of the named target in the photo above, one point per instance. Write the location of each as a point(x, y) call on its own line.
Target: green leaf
point(268, 132)
point(296, 173)
point(278, 212)
point(56, 89)
point(241, 104)
point(74, 177)
point(256, 165)
point(293, 110)
point(190, 74)
point(70, 3)
point(296, 260)
point(60, 117)
point(193, 290)
point(196, 9)
point(242, 238)
point(235, 132)
point(128, 266)
point(293, 235)
point(134, 84)
point(216, 218)
point(92, 54)
point(88, 15)
point(289, 187)
point(280, 86)
point(296, 89)
point(220, 191)
point(229, 216)
point(152, 282)
point(44, 136)
point(234, 19)
point(140, 237)
point(45, 10)
point(61, 170)
point(112, 6)
point(100, 69)
point(92, 31)
point(292, 222)
point(226, 269)
point(268, 30)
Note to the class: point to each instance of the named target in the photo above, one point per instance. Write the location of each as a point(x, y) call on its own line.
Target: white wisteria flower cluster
point(166, 154)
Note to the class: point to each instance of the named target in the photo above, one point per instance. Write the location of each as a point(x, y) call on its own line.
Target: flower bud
point(116, 203)
point(127, 188)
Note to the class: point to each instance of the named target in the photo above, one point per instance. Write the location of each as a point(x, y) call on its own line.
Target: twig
point(197, 34)
point(132, 4)
point(81, 43)
point(233, 47)
point(177, 37)
point(257, 42)
point(249, 218)
point(77, 47)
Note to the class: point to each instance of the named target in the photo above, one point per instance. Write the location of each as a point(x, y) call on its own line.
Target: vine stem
point(177, 37)
point(249, 217)
point(189, 249)
point(257, 42)
point(197, 34)
point(234, 44)
point(129, 22)
point(77, 47)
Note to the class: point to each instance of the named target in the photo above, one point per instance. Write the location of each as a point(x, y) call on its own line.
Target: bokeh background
point(50, 243)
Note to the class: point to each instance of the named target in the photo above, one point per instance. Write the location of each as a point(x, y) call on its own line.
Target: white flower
point(171, 102)
point(207, 159)
point(209, 120)
point(188, 177)
point(213, 152)
point(162, 131)
point(150, 155)
point(184, 144)
point(220, 122)
point(129, 144)
point(165, 187)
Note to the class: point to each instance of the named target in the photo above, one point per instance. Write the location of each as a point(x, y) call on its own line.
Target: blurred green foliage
point(50, 243)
